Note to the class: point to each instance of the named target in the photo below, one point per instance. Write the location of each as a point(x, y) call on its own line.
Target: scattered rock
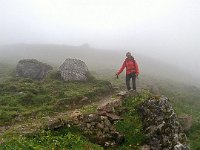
point(84, 99)
point(31, 68)
point(105, 108)
point(55, 124)
point(107, 123)
point(93, 118)
point(99, 126)
point(145, 147)
point(122, 93)
point(110, 106)
point(113, 117)
point(74, 70)
point(76, 115)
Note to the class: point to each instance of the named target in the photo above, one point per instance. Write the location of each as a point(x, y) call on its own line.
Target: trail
point(33, 124)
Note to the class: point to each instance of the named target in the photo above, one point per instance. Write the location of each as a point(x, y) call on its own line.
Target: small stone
point(107, 123)
point(145, 147)
point(103, 117)
point(106, 130)
point(76, 115)
point(93, 118)
point(106, 108)
point(88, 125)
point(179, 146)
point(113, 117)
point(100, 134)
point(55, 124)
point(100, 126)
point(84, 99)
point(122, 93)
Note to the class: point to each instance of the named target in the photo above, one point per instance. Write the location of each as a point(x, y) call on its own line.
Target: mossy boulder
point(32, 68)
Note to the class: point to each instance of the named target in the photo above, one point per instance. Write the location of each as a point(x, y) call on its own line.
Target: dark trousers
point(128, 78)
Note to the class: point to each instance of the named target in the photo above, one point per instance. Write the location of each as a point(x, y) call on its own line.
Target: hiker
point(132, 70)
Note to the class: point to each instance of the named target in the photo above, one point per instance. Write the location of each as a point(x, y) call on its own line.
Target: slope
point(96, 59)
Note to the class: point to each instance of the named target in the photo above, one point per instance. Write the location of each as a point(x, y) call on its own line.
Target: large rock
point(161, 126)
point(74, 70)
point(31, 68)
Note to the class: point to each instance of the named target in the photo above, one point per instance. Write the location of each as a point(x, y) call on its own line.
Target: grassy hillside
point(184, 98)
point(22, 99)
point(70, 137)
point(96, 59)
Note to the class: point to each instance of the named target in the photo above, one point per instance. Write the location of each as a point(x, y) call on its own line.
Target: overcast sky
point(169, 29)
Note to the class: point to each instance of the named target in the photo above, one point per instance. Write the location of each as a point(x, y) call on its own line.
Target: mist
point(165, 31)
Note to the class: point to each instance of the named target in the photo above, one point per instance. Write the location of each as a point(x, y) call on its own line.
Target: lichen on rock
point(74, 70)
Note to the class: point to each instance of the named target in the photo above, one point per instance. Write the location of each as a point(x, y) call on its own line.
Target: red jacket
point(130, 65)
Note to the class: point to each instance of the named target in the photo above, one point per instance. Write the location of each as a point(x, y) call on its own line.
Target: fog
point(166, 30)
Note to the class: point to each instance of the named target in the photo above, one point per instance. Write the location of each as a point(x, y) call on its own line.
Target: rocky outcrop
point(161, 126)
point(31, 68)
point(99, 126)
point(74, 70)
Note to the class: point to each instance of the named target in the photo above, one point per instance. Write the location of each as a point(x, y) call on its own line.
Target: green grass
point(194, 136)
point(66, 139)
point(24, 97)
point(72, 138)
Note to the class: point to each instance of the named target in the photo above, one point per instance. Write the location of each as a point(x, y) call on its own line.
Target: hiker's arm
point(121, 69)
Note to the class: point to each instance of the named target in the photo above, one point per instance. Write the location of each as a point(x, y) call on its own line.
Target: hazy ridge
point(96, 59)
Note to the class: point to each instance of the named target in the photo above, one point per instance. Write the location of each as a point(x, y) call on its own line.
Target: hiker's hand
point(137, 76)
point(117, 76)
